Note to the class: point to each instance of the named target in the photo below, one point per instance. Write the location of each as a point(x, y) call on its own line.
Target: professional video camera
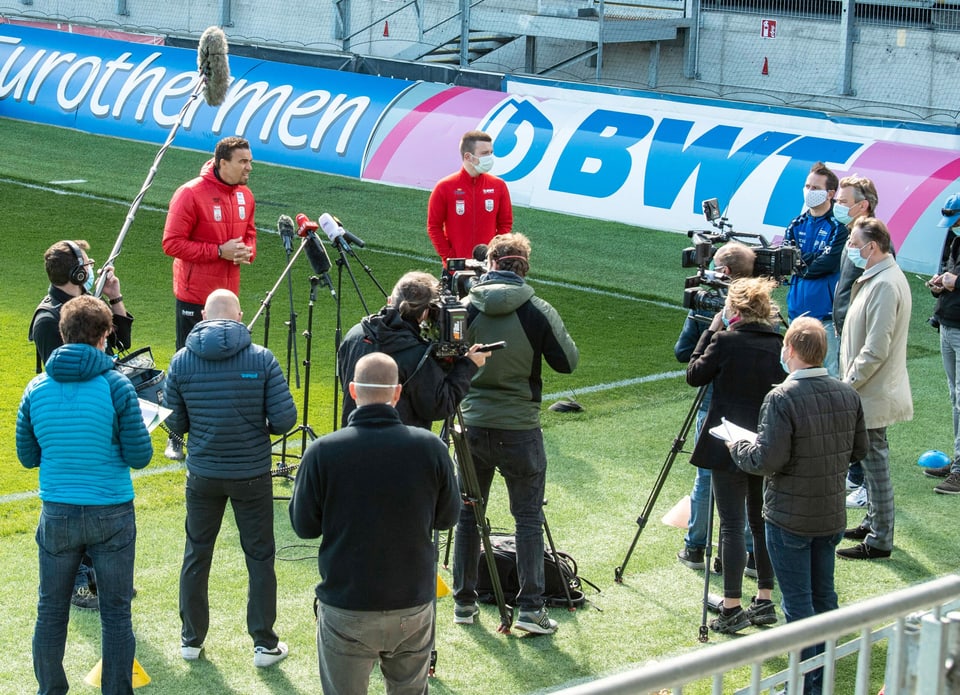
point(777, 262)
point(449, 316)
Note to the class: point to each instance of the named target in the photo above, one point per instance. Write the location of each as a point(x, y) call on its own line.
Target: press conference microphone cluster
point(316, 253)
point(339, 236)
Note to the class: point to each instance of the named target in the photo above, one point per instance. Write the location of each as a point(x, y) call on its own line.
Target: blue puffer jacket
point(80, 423)
point(230, 395)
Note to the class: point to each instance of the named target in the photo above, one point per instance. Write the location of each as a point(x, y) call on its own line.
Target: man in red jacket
point(471, 206)
point(209, 233)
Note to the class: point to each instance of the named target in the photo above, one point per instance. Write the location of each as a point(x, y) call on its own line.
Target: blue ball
point(933, 459)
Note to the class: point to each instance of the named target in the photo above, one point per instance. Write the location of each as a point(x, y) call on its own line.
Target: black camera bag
point(505, 555)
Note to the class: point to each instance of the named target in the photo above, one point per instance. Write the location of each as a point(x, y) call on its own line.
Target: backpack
point(505, 555)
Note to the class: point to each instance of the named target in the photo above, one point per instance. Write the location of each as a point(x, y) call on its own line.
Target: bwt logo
point(602, 153)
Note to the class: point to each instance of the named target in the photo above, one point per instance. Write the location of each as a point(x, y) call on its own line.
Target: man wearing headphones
point(71, 274)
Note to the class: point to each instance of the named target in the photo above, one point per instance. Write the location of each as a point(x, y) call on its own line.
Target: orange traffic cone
point(765, 70)
point(386, 29)
point(140, 677)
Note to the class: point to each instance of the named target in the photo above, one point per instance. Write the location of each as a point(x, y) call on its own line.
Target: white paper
point(152, 414)
point(729, 432)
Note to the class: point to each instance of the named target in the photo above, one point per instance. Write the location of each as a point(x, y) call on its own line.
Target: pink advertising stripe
point(394, 141)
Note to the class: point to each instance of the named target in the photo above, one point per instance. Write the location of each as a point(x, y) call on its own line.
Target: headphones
point(79, 272)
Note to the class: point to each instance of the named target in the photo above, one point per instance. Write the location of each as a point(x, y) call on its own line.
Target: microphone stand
point(292, 323)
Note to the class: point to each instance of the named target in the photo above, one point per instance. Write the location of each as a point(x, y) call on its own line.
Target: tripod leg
point(432, 670)
point(677, 447)
point(472, 497)
point(704, 634)
point(561, 568)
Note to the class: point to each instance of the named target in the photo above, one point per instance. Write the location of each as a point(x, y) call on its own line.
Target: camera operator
point(502, 417)
point(734, 260)
point(431, 389)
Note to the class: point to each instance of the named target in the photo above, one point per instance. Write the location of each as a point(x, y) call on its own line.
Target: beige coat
point(873, 350)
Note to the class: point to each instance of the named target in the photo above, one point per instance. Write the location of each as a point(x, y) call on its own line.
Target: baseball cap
point(950, 211)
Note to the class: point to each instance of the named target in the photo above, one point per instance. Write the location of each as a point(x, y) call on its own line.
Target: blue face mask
point(842, 213)
point(88, 284)
point(783, 362)
point(853, 254)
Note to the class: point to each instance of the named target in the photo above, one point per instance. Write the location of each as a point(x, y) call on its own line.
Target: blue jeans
point(108, 533)
point(804, 568)
point(522, 461)
point(349, 643)
point(252, 502)
point(950, 352)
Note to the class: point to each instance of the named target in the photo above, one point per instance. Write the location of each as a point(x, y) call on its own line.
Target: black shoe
point(692, 558)
point(950, 486)
point(729, 623)
point(856, 534)
point(941, 472)
point(862, 551)
point(717, 565)
point(84, 599)
point(762, 612)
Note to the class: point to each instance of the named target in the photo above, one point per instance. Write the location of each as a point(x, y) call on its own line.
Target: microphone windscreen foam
point(212, 63)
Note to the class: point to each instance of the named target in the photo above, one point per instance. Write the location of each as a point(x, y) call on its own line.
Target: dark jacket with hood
point(230, 395)
point(431, 390)
point(507, 390)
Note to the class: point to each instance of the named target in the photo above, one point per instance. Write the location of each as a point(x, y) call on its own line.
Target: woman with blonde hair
point(740, 355)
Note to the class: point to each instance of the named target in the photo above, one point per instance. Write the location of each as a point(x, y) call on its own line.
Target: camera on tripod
point(449, 317)
point(707, 290)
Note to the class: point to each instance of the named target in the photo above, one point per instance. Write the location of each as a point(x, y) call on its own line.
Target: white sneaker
point(174, 450)
point(857, 498)
point(263, 657)
point(191, 653)
point(851, 486)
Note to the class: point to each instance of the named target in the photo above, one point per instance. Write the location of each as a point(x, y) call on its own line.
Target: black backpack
point(555, 578)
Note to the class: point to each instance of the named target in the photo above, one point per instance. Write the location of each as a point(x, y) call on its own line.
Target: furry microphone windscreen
point(212, 63)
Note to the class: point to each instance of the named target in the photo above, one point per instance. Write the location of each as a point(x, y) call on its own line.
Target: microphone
point(480, 253)
point(212, 64)
point(286, 231)
point(316, 253)
point(337, 234)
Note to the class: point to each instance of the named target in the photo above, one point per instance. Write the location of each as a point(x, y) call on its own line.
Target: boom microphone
point(286, 231)
point(480, 253)
point(337, 234)
point(212, 64)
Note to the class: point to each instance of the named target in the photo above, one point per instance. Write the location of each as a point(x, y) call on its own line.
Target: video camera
point(449, 319)
point(777, 262)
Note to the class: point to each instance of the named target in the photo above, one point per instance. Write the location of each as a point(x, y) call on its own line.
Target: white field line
point(156, 470)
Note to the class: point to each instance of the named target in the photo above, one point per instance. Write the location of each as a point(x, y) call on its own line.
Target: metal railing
point(920, 653)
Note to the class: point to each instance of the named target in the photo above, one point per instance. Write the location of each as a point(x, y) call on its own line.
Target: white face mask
point(814, 198)
point(484, 164)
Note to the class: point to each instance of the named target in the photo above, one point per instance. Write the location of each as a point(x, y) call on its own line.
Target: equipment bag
point(505, 555)
point(140, 368)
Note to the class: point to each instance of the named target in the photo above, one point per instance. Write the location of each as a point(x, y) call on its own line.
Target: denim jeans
point(522, 461)
point(950, 352)
point(804, 568)
point(108, 533)
point(252, 502)
point(349, 643)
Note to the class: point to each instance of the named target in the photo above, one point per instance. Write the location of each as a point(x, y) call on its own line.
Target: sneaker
point(717, 565)
point(950, 486)
point(728, 623)
point(692, 558)
point(464, 613)
point(857, 498)
point(856, 534)
point(862, 551)
point(84, 599)
point(536, 622)
point(761, 611)
point(941, 472)
point(190, 653)
point(750, 569)
point(851, 486)
point(263, 657)
point(174, 450)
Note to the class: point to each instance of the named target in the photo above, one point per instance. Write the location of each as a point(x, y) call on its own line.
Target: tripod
point(677, 447)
